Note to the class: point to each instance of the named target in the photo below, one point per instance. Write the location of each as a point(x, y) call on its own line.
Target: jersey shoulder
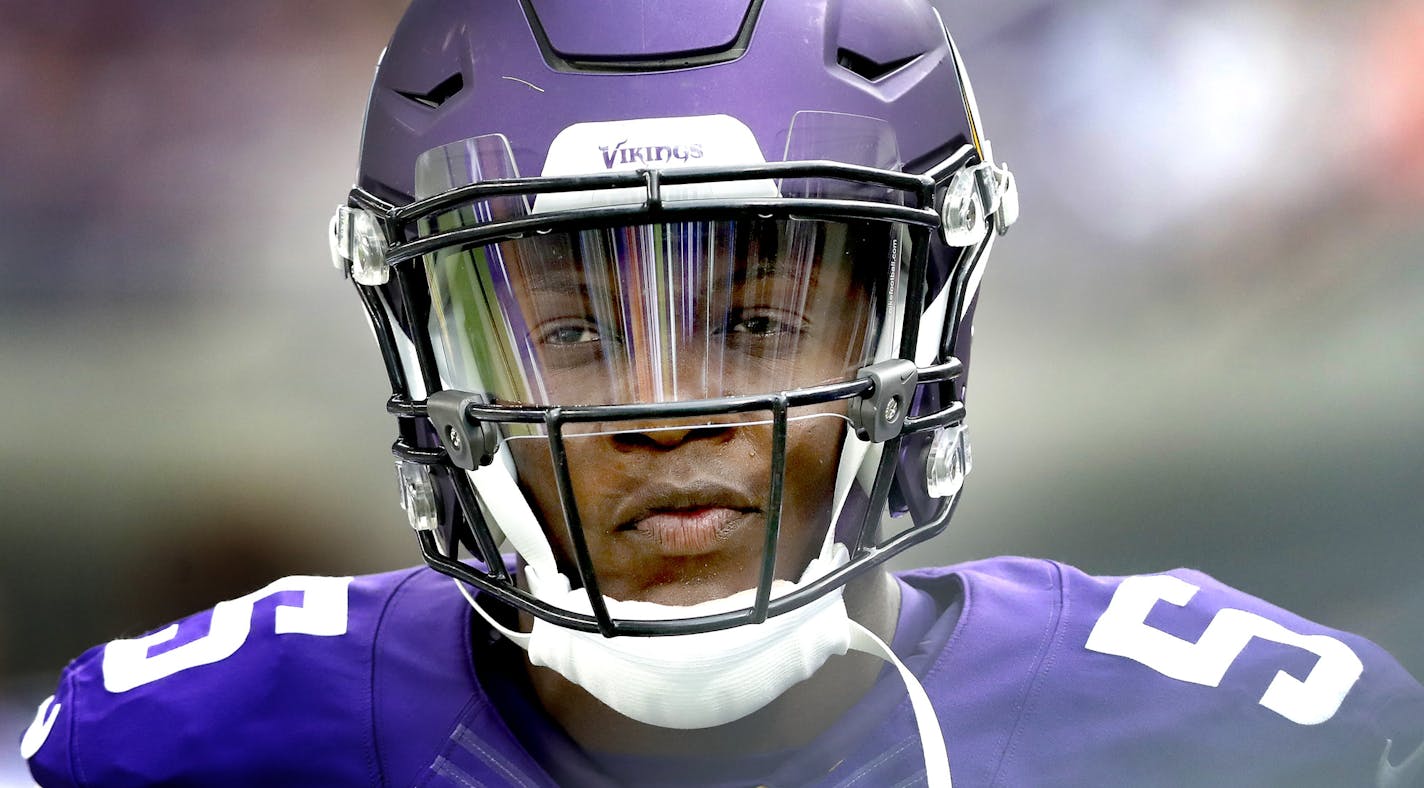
point(1174, 673)
point(1193, 631)
point(275, 682)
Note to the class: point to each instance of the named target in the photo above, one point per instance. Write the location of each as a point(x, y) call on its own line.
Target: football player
point(675, 303)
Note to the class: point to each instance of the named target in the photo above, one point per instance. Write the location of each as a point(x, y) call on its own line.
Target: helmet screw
point(454, 437)
point(892, 410)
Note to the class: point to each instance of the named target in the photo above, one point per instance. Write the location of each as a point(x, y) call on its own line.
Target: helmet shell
point(528, 70)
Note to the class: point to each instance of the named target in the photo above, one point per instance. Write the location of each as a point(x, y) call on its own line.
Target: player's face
point(679, 516)
point(675, 511)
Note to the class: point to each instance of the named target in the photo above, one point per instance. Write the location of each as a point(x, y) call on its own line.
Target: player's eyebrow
point(560, 269)
point(558, 264)
point(558, 278)
point(771, 268)
point(556, 267)
point(764, 268)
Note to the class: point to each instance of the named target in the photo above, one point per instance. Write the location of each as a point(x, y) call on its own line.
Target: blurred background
point(1202, 346)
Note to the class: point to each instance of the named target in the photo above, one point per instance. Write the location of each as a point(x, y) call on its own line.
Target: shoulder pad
point(259, 685)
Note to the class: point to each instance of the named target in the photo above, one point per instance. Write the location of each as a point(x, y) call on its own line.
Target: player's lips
point(686, 520)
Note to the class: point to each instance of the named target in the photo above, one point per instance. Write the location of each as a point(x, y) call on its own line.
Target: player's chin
point(697, 588)
point(694, 592)
point(688, 580)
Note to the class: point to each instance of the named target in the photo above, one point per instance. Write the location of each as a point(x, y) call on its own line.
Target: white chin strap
point(931, 735)
point(707, 679)
point(692, 681)
point(704, 679)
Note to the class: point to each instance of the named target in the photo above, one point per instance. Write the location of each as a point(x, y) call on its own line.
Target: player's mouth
point(686, 521)
point(690, 531)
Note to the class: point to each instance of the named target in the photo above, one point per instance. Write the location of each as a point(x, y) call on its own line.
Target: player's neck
point(790, 721)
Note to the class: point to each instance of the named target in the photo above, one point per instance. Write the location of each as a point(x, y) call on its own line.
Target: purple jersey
point(1040, 674)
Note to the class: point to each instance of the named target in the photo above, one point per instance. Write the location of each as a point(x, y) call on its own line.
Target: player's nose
point(663, 438)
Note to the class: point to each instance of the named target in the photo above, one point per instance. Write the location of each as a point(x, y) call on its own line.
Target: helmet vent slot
point(869, 69)
point(439, 94)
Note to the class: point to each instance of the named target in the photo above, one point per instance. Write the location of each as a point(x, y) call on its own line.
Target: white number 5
point(1123, 631)
point(322, 611)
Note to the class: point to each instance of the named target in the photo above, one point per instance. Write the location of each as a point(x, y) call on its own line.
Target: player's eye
point(749, 323)
point(567, 332)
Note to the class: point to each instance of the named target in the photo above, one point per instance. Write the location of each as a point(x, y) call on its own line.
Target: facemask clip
point(974, 195)
point(470, 443)
point(879, 415)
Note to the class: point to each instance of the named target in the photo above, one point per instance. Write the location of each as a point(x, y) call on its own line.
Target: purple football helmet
point(658, 163)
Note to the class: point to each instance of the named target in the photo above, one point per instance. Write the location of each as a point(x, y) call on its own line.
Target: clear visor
point(661, 313)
